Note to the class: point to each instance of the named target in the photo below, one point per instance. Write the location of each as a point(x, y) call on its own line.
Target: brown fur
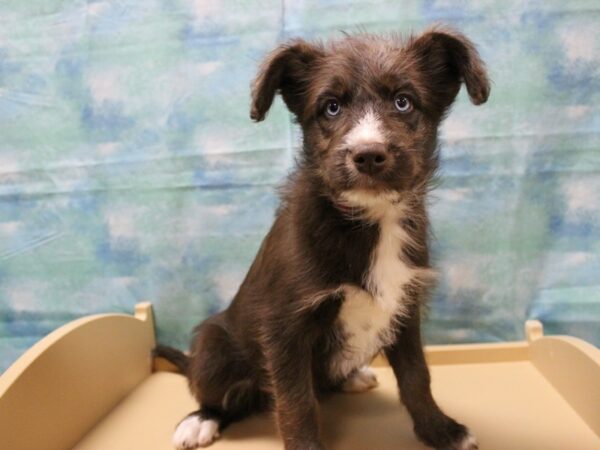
point(272, 346)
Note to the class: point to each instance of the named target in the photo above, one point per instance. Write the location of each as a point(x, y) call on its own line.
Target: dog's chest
point(366, 318)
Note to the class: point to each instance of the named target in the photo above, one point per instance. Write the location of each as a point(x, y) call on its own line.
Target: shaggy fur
point(344, 270)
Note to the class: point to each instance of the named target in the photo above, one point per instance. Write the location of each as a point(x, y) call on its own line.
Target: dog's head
point(369, 106)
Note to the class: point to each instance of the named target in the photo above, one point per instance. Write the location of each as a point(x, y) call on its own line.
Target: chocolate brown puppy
point(344, 271)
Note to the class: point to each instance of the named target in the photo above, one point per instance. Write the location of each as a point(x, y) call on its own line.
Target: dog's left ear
point(446, 58)
point(286, 71)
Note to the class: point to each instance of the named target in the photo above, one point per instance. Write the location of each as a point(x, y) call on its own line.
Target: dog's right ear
point(286, 71)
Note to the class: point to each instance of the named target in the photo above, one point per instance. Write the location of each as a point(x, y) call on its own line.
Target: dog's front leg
point(290, 370)
point(431, 425)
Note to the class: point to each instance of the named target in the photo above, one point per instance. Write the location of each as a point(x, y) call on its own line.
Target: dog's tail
point(173, 355)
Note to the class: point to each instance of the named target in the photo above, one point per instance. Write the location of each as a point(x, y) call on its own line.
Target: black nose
point(370, 160)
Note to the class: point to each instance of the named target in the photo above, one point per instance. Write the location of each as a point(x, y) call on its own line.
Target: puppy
point(344, 271)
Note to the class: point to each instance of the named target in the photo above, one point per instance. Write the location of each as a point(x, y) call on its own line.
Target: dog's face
point(370, 107)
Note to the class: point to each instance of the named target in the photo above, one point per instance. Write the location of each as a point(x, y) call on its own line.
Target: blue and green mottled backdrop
point(129, 168)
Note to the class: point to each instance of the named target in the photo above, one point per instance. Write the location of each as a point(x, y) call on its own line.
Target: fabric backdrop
point(129, 168)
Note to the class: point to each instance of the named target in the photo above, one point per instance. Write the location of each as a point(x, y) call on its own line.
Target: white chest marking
point(367, 316)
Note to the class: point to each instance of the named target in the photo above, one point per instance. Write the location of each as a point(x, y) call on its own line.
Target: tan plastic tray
point(90, 386)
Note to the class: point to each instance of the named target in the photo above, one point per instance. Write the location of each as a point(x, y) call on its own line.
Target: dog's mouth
point(374, 183)
point(351, 189)
point(379, 184)
point(347, 209)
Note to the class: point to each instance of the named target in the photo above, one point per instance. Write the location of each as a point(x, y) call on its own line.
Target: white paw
point(360, 381)
point(195, 432)
point(468, 443)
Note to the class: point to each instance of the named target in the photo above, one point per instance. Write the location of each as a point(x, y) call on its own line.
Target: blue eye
point(333, 108)
point(403, 104)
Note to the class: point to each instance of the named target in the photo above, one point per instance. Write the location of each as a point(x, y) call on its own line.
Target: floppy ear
point(447, 58)
point(286, 71)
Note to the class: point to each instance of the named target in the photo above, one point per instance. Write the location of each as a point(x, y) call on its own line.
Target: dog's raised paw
point(193, 431)
point(361, 380)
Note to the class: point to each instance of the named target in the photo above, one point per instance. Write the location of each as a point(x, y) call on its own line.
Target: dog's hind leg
point(222, 383)
point(198, 429)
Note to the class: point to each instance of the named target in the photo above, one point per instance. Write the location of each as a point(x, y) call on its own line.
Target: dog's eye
point(332, 108)
point(403, 104)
